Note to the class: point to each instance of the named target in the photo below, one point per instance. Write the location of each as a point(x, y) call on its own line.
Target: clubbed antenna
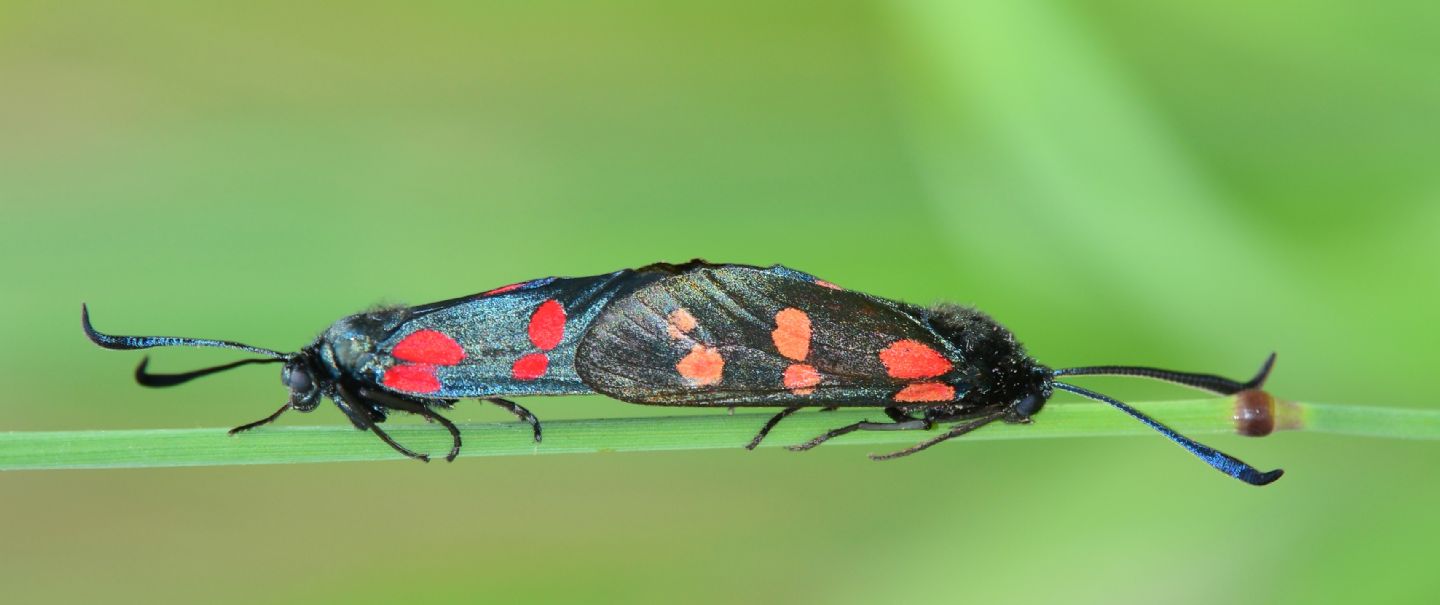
point(169, 380)
point(145, 342)
point(1221, 461)
point(1205, 382)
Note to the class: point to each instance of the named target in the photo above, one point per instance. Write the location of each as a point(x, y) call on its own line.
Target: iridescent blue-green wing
point(511, 341)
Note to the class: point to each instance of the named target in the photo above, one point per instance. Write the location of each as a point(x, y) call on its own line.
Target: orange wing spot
point(530, 367)
point(547, 325)
point(908, 359)
point(825, 284)
point(703, 366)
point(428, 346)
point(679, 323)
point(926, 391)
point(792, 333)
point(801, 378)
point(412, 378)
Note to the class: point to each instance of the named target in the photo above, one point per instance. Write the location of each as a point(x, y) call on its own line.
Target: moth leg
point(954, 432)
point(449, 426)
point(894, 413)
point(418, 408)
point(765, 430)
point(910, 424)
point(520, 412)
point(899, 415)
point(375, 428)
point(261, 422)
point(366, 419)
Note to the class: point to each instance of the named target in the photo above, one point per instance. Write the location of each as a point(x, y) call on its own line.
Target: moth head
point(1034, 391)
point(298, 376)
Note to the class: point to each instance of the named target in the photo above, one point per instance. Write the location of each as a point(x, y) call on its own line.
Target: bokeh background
point(1119, 181)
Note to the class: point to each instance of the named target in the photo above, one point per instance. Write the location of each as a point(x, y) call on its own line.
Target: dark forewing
point(515, 340)
point(736, 335)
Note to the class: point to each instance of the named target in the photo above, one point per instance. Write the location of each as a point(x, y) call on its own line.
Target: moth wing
point(746, 336)
point(514, 340)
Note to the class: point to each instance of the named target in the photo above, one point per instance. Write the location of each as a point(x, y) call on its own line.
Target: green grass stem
point(152, 448)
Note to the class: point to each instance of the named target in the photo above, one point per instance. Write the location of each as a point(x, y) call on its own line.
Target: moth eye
point(1030, 405)
point(297, 379)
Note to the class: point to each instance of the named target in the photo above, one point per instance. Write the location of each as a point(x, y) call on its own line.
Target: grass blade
point(279, 445)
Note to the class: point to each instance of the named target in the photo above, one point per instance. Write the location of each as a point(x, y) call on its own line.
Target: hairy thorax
point(999, 370)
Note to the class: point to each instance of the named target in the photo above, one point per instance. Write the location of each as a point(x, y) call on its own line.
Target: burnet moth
point(696, 334)
point(516, 340)
point(737, 336)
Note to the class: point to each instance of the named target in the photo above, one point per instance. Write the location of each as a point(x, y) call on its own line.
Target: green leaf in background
point(1116, 181)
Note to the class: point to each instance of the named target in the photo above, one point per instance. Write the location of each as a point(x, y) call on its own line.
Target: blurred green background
point(1117, 181)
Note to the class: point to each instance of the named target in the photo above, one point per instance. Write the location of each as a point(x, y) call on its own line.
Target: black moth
point(695, 334)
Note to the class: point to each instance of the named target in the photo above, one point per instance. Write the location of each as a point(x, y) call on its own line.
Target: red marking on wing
point(679, 323)
point(926, 391)
point(429, 346)
point(703, 366)
point(908, 359)
point(504, 289)
point(414, 378)
point(530, 367)
point(825, 284)
point(801, 378)
point(792, 333)
point(547, 325)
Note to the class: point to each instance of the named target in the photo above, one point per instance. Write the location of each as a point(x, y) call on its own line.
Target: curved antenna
point(144, 342)
point(1205, 382)
point(1221, 461)
point(170, 380)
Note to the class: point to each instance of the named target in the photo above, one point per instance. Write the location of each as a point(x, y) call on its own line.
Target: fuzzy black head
point(996, 367)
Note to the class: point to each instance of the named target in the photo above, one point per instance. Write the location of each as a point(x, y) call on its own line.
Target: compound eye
point(1030, 405)
point(297, 379)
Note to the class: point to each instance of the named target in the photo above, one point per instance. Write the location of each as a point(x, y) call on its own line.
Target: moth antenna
point(170, 380)
point(1205, 382)
point(145, 342)
point(1222, 462)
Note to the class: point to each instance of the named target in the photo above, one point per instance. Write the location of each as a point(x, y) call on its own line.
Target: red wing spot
point(412, 378)
point(801, 379)
point(825, 284)
point(530, 366)
point(926, 391)
point(504, 289)
point(908, 359)
point(547, 325)
point(792, 333)
point(429, 346)
point(703, 366)
point(679, 323)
